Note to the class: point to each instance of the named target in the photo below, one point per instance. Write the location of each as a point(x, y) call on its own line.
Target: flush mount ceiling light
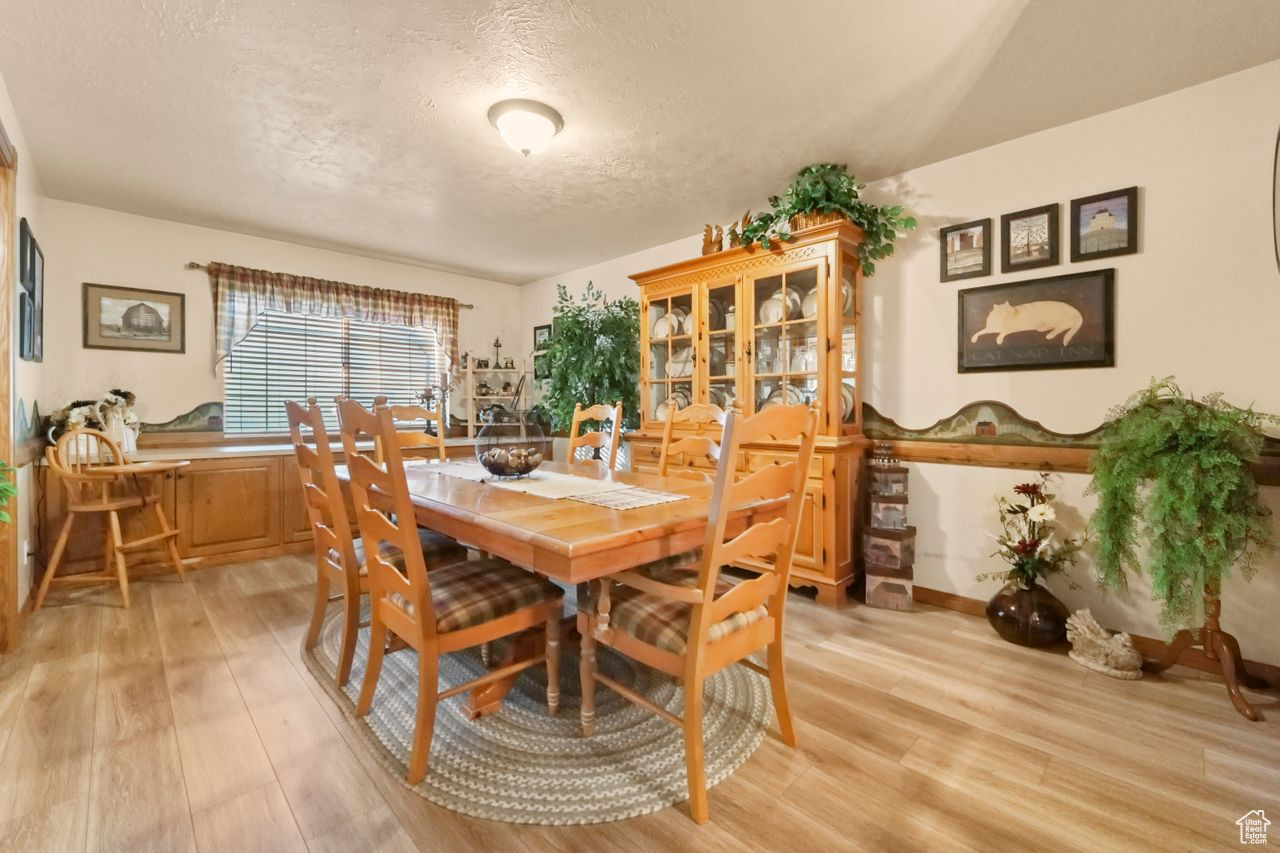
point(527, 126)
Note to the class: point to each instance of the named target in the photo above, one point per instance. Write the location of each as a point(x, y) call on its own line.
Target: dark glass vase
point(1028, 617)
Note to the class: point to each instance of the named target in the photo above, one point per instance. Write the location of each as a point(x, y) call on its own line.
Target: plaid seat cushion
point(477, 591)
point(664, 623)
point(436, 548)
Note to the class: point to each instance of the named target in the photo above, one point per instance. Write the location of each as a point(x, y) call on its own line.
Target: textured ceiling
point(362, 125)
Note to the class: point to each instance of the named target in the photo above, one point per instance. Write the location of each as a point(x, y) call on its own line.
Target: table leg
point(487, 698)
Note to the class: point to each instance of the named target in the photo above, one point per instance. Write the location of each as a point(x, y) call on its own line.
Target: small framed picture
point(965, 250)
point(541, 334)
point(131, 319)
point(1043, 323)
point(1029, 238)
point(1104, 225)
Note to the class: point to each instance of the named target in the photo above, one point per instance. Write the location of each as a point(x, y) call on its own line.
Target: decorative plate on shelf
point(809, 308)
point(681, 363)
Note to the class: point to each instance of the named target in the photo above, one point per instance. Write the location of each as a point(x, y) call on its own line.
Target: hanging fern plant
point(829, 188)
point(1201, 514)
point(593, 355)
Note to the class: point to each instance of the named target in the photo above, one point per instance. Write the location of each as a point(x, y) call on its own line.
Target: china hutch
point(758, 328)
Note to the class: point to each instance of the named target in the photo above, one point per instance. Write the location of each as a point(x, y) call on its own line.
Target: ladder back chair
point(98, 479)
point(411, 439)
point(691, 625)
point(699, 445)
point(600, 440)
point(339, 555)
point(454, 607)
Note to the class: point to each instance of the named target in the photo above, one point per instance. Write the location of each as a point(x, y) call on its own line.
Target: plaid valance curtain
point(241, 294)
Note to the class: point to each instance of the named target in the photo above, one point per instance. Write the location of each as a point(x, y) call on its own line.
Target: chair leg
point(121, 570)
point(424, 725)
point(171, 544)
point(59, 548)
point(693, 749)
point(587, 672)
point(377, 649)
point(350, 628)
point(318, 608)
point(778, 685)
point(553, 661)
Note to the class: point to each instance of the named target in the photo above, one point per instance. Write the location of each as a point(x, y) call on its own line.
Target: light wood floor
point(189, 722)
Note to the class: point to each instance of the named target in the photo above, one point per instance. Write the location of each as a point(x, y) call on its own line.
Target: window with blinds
point(292, 357)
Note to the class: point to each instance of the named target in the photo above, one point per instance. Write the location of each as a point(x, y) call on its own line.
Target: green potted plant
point(593, 356)
point(8, 490)
point(1024, 612)
point(822, 192)
point(1199, 516)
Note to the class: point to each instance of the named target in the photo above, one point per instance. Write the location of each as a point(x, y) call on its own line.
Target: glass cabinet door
point(846, 402)
point(671, 356)
point(721, 345)
point(787, 347)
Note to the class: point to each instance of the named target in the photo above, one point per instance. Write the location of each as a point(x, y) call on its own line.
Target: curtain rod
point(193, 265)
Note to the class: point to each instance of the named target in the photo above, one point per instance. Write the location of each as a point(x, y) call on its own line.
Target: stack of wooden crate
point(888, 543)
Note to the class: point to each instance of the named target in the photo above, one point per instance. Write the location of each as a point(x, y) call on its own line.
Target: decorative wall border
point(206, 417)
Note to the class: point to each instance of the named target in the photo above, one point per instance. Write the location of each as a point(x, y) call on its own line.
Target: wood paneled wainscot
point(230, 505)
point(757, 328)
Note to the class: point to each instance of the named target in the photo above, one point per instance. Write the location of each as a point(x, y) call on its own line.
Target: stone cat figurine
point(1052, 317)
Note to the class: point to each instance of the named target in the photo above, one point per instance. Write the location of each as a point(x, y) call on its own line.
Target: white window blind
point(292, 357)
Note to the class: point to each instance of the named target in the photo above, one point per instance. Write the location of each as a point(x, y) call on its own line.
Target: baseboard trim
point(1148, 647)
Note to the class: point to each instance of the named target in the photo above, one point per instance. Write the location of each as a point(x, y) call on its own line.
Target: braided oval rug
point(520, 765)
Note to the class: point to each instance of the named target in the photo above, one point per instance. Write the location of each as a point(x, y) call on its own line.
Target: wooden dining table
point(566, 540)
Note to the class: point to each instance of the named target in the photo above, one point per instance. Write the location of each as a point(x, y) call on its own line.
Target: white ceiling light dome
point(527, 126)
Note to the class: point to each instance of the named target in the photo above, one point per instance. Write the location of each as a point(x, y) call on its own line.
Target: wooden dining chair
point(692, 624)
point(452, 607)
point(99, 479)
point(339, 555)
point(412, 439)
point(600, 439)
point(698, 445)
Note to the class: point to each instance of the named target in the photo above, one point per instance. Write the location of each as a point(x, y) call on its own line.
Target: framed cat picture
point(1041, 324)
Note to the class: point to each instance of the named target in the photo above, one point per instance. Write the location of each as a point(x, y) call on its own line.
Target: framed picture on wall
point(541, 366)
point(1029, 239)
point(1104, 225)
point(126, 318)
point(30, 295)
point(965, 250)
point(1044, 323)
point(541, 335)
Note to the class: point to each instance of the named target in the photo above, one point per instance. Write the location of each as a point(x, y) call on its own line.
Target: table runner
point(554, 485)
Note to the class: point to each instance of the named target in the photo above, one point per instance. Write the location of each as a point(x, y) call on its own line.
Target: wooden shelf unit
point(475, 401)
point(811, 355)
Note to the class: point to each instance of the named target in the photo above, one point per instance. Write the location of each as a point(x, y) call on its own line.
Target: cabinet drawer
point(757, 459)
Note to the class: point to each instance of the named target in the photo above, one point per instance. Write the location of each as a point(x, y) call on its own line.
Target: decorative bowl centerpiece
point(511, 444)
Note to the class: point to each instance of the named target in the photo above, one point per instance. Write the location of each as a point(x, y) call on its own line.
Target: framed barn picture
point(126, 318)
point(965, 250)
point(1044, 323)
point(1104, 225)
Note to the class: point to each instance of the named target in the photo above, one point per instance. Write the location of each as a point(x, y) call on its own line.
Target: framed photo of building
point(126, 318)
point(1044, 323)
point(965, 250)
point(1029, 239)
point(541, 336)
point(1104, 225)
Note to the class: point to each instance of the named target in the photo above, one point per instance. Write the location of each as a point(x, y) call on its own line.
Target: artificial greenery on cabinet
point(593, 355)
point(828, 188)
point(1173, 473)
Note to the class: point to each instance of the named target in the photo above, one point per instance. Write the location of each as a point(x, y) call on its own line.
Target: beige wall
point(1201, 300)
point(89, 244)
point(27, 375)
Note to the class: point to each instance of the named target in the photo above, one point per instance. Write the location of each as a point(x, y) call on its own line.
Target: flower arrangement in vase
point(113, 415)
point(1024, 612)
